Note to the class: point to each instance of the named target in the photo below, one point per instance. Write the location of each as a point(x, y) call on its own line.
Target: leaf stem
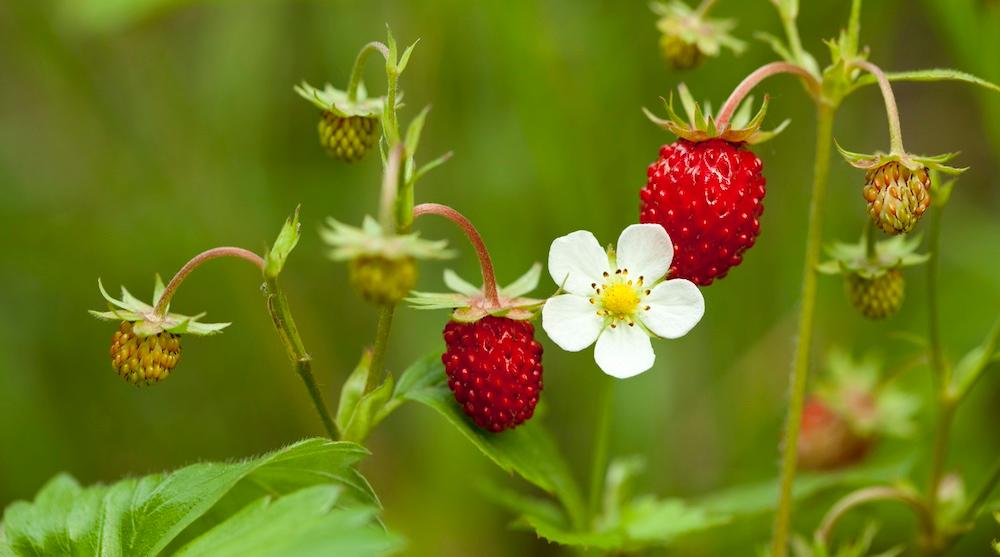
point(942, 372)
point(599, 462)
point(891, 110)
point(800, 369)
point(485, 262)
point(288, 332)
point(755, 77)
point(194, 263)
point(384, 328)
point(359, 67)
point(867, 495)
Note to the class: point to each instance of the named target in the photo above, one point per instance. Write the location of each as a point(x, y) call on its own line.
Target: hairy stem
point(599, 464)
point(359, 67)
point(281, 316)
point(941, 371)
point(485, 262)
point(867, 495)
point(376, 372)
point(755, 77)
point(792, 32)
point(800, 369)
point(194, 263)
point(891, 111)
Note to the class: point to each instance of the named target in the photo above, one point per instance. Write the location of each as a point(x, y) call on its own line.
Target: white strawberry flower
point(618, 298)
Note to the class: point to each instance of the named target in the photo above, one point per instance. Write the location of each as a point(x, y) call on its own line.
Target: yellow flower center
point(619, 299)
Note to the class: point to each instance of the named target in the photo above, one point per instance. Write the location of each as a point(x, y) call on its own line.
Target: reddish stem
point(485, 263)
point(196, 261)
point(751, 81)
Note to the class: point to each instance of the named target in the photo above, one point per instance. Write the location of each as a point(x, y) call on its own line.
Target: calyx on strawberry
point(146, 347)
point(493, 362)
point(706, 189)
point(898, 186)
point(688, 37)
point(874, 283)
point(849, 411)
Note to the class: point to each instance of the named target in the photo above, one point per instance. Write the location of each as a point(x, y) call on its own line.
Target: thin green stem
point(891, 110)
point(599, 462)
point(938, 361)
point(377, 370)
point(194, 263)
point(867, 495)
point(800, 369)
point(281, 316)
point(939, 450)
point(359, 67)
point(792, 32)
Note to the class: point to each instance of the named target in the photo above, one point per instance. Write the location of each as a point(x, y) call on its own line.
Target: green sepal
point(145, 321)
point(370, 240)
point(708, 34)
point(866, 161)
point(893, 253)
point(359, 412)
point(334, 100)
point(288, 238)
point(701, 125)
point(469, 302)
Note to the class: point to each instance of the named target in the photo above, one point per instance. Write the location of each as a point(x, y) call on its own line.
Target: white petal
point(576, 261)
point(571, 321)
point(675, 307)
point(624, 351)
point(646, 251)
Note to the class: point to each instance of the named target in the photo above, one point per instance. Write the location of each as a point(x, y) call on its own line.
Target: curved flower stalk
point(618, 298)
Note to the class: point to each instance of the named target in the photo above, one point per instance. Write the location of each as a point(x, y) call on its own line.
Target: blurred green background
point(136, 133)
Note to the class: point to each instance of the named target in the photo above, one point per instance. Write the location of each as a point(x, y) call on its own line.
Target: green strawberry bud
point(348, 138)
point(144, 359)
point(382, 280)
point(897, 196)
point(878, 297)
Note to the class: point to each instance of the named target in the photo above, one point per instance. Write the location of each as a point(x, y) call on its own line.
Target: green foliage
point(359, 411)
point(935, 74)
point(288, 238)
point(528, 450)
point(246, 508)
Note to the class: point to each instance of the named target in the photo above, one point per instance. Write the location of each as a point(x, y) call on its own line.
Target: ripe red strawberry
point(494, 367)
point(707, 195)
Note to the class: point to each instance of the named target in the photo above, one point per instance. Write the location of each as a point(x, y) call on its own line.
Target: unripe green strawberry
point(382, 280)
point(897, 196)
point(347, 138)
point(681, 54)
point(144, 359)
point(877, 297)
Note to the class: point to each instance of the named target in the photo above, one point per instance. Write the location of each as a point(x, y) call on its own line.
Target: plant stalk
point(755, 77)
point(194, 263)
point(891, 110)
point(800, 369)
point(359, 67)
point(384, 328)
point(599, 462)
point(281, 316)
point(867, 495)
point(941, 371)
point(485, 262)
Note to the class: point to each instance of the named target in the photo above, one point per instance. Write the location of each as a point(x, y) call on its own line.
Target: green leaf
point(274, 261)
point(369, 412)
point(971, 366)
point(305, 523)
point(351, 391)
point(139, 517)
point(527, 450)
point(937, 74)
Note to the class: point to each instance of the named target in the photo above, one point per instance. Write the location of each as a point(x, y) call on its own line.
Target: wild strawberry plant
point(699, 216)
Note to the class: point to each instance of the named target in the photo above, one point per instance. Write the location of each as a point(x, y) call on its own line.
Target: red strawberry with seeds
point(707, 195)
point(494, 367)
point(706, 189)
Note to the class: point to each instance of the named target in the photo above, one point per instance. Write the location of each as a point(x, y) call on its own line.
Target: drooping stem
point(195, 262)
point(384, 327)
point(867, 495)
point(758, 75)
point(359, 67)
point(800, 369)
point(485, 262)
point(891, 111)
point(288, 332)
point(599, 462)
